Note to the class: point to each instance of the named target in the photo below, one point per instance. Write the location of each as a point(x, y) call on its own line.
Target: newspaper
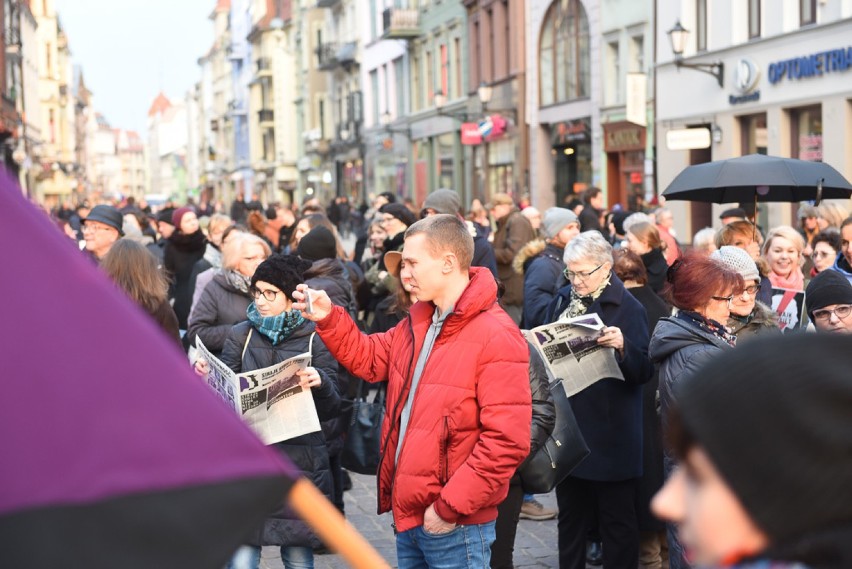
point(571, 352)
point(270, 400)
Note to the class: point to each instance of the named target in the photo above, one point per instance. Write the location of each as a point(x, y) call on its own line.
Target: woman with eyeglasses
point(273, 333)
point(226, 297)
point(748, 316)
point(608, 412)
point(826, 245)
point(702, 290)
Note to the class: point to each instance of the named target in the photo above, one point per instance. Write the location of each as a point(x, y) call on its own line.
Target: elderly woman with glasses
point(608, 412)
point(703, 291)
point(748, 316)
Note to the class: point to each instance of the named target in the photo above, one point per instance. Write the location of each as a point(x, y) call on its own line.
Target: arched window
point(564, 57)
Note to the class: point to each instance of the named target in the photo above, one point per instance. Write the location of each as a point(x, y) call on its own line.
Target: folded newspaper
point(571, 352)
point(270, 400)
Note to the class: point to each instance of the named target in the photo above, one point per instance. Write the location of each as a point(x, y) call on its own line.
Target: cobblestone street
point(535, 545)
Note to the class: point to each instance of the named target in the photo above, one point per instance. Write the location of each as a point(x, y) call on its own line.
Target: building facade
point(784, 89)
point(564, 98)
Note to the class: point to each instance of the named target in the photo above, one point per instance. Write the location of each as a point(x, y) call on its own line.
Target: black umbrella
point(757, 177)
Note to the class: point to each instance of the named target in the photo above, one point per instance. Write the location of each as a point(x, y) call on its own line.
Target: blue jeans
point(466, 547)
point(248, 557)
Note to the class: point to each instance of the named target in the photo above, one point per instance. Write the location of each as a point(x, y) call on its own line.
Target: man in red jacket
point(458, 403)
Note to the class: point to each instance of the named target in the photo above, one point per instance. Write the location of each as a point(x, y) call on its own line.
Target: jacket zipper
point(444, 473)
point(390, 430)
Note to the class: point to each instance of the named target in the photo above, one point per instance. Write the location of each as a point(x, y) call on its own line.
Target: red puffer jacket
point(470, 422)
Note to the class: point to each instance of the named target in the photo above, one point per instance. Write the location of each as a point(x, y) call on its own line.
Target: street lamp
point(386, 121)
point(677, 37)
point(484, 91)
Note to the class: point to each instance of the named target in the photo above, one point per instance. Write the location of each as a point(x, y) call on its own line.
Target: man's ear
point(449, 264)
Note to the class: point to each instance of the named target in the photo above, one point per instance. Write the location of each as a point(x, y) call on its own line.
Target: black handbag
point(563, 451)
point(361, 447)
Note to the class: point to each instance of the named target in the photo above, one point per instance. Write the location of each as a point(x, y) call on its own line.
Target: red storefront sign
point(470, 134)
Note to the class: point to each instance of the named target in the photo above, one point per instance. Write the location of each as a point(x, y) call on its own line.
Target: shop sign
point(688, 138)
point(470, 134)
point(623, 137)
point(813, 65)
point(746, 78)
point(564, 133)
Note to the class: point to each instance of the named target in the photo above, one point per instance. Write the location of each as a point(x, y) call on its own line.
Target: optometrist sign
point(813, 65)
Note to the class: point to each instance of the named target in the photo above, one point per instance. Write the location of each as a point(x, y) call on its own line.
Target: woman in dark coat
point(183, 249)
point(653, 551)
point(702, 290)
point(608, 412)
point(226, 297)
point(644, 240)
point(274, 333)
point(134, 269)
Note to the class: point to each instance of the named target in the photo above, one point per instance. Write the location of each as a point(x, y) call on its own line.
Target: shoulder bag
point(361, 447)
point(563, 451)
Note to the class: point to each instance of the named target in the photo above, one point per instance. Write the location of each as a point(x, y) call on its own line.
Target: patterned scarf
point(707, 324)
point(276, 328)
point(238, 280)
point(579, 305)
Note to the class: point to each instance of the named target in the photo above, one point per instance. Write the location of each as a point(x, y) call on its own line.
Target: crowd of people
point(431, 299)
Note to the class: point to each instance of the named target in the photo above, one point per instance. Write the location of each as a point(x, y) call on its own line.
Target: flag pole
point(338, 534)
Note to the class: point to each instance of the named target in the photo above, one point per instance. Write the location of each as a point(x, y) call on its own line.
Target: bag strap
point(311, 345)
point(245, 347)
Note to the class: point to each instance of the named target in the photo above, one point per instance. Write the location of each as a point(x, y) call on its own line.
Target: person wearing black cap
point(101, 228)
point(733, 214)
point(828, 300)
point(273, 333)
point(328, 273)
point(763, 434)
point(395, 219)
point(165, 230)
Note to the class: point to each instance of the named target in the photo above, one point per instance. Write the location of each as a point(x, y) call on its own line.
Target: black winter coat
point(220, 306)
point(656, 267)
point(179, 257)
point(330, 275)
point(609, 412)
point(543, 409)
point(307, 452)
point(542, 278)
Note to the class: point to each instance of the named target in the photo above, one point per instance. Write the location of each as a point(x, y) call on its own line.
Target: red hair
point(694, 279)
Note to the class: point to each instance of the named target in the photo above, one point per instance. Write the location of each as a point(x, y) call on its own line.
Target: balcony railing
point(263, 65)
point(265, 115)
point(401, 23)
point(331, 55)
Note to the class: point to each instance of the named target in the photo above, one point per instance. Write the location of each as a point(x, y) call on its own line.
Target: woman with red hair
point(702, 290)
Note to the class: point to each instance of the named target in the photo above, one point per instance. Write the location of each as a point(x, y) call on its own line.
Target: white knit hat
point(738, 260)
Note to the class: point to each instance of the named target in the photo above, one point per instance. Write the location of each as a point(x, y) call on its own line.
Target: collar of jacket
point(613, 294)
point(479, 296)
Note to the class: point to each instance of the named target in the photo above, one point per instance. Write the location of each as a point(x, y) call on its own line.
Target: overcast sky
point(131, 49)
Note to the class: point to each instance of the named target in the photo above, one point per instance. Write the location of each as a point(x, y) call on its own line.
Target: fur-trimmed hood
point(527, 253)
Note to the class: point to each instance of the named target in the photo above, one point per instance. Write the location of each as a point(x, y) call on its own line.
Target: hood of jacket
point(527, 253)
point(672, 334)
point(841, 265)
point(761, 317)
point(479, 296)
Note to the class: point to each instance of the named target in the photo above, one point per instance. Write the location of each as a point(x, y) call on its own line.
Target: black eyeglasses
point(727, 299)
point(752, 289)
point(841, 311)
point(268, 294)
point(580, 276)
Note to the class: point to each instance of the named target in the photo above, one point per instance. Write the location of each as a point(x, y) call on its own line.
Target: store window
point(564, 57)
point(754, 134)
point(807, 12)
point(446, 160)
point(753, 19)
point(806, 130)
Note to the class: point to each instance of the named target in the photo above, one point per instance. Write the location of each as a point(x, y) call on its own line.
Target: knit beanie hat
point(442, 201)
point(618, 218)
point(774, 418)
point(827, 288)
point(165, 216)
point(738, 260)
point(318, 243)
point(282, 271)
point(556, 219)
point(400, 212)
point(177, 215)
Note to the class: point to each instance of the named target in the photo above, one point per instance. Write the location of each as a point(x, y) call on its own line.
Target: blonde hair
point(233, 250)
point(647, 234)
point(832, 213)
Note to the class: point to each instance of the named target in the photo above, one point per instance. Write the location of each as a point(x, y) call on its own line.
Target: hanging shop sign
point(470, 134)
point(623, 136)
point(568, 132)
point(746, 79)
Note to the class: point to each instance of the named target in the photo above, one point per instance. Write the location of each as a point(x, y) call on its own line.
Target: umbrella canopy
point(758, 178)
point(114, 453)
